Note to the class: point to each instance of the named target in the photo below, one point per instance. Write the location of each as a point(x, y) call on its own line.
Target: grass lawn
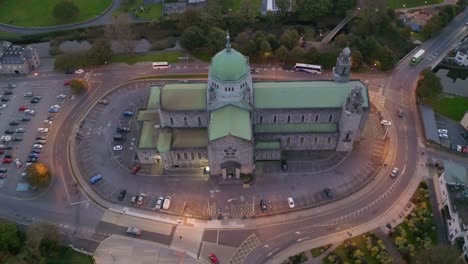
point(67, 255)
point(170, 57)
point(201, 55)
point(152, 12)
point(319, 250)
point(7, 34)
point(39, 13)
point(127, 7)
point(453, 107)
point(394, 4)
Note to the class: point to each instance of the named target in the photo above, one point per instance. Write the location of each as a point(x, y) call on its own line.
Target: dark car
point(5, 98)
point(9, 131)
point(41, 138)
point(17, 138)
point(32, 160)
point(8, 92)
point(263, 206)
point(328, 193)
point(24, 119)
point(10, 147)
point(123, 129)
point(136, 168)
point(8, 155)
point(38, 151)
point(14, 123)
point(3, 170)
point(69, 71)
point(34, 101)
point(122, 195)
point(284, 165)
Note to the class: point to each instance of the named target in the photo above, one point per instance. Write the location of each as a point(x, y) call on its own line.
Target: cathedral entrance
point(231, 170)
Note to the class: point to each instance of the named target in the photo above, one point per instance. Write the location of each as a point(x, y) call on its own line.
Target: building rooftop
point(183, 96)
point(148, 135)
point(189, 138)
point(154, 97)
point(164, 140)
point(272, 144)
point(149, 115)
point(459, 202)
point(230, 120)
point(310, 94)
point(296, 128)
point(455, 173)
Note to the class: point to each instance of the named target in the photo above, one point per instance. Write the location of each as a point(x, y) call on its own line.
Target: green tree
point(290, 39)
point(339, 7)
point(38, 174)
point(441, 254)
point(429, 85)
point(78, 86)
point(265, 49)
point(9, 239)
point(216, 39)
point(273, 40)
point(193, 38)
point(284, 7)
point(99, 53)
point(387, 58)
point(282, 53)
point(312, 56)
point(190, 17)
point(356, 59)
point(66, 11)
point(39, 238)
point(248, 9)
point(341, 41)
point(296, 54)
point(308, 10)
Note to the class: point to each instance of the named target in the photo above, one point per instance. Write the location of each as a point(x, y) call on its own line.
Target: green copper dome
point(228, 65)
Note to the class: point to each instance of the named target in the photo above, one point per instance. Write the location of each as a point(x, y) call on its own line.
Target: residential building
point(461, 58)
point(16, 59)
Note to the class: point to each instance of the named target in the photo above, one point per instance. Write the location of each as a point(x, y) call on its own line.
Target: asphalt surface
point(65, 204)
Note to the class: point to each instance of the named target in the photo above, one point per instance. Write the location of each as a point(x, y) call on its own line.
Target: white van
point(167, 203)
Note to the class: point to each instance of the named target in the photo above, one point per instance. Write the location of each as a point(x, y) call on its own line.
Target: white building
point(462, 55)
point(16, 59)
point(452, 196)
point(271, 5)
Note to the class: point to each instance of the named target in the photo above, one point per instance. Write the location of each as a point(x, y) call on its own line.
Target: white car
point(55, 106)
point(442, 135)
point(291, 202)
point(117, 147)
point(167, 203)
point(42, 130)
point(2, 106)
point(459, 148)
point(28, 94)
point(442, 131)
point(30, 112)
point(79, 71)
point(7, 138)
point(159, 203)
point(386, 122)
point(394, 172)
point(61, 96)
point(18, 163)
point(48, 122)
point(37, 146)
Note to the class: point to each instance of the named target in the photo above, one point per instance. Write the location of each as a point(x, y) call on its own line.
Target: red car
point(2, 151)
point(465, 149)
point(22, 108)
point(7, 160)
point(213, 258)
point(136, 168)
point(66, 83)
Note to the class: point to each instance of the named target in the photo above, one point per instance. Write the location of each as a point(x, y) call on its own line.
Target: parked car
point(3, 170)
point(38, 151)
point(41, 138)
point(134, 231)
point(53, 110)
point(122, 195)
point(123, 129)
point(67, 83)
point(128, 113)
point(213, 258)
point(19, 130)
point(159, 203)
point(136, 168)
point(28, 94)
point(79, 71)
point(385, 122)
point(48, 122)
point(22, 108)
point(141, 198)
point(442, 131)
point(394, 172)
point(33, 155)
point(3, 175)
point(134, 198)
point(69, 71)
point(5, 99)
point(459, 148)
point(61, 96)
point(17, 138)
point(95, 179)
point(9, 131)
point(30, 112)
point(103, 102)
point(42, 130)
point(284, 165)
point(40, 141)
point(328, 193)
point(117, 147)
point(11, 86)
point(14, 123)
point(35, 100)
point(291, 202)
point(7, 160)
point(31, 160)
point(263, 206)
point(442, 135)
point(25, 119)
point(2, 106)
point(37, 146)
point(167, 203)
point(8, 92)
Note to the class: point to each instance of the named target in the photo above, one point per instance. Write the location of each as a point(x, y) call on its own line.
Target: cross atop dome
point(228, 41)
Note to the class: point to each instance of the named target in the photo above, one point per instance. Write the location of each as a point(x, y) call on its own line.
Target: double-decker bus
point(417, 57)
point(309, 68)
point(161, 65)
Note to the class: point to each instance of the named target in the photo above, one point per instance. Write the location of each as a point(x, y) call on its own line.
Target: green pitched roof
point(274, 144)
point(153, 97)
point(164, 141)
point(189, 138)
point(455, 173)
point(230, 120)
point(306, 94)
point(148, 115)
point(228, 65)
point(148, 135)
point(296, 128)
point(183, 96)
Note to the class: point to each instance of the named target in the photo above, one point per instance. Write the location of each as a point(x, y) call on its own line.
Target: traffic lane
point(108, 228)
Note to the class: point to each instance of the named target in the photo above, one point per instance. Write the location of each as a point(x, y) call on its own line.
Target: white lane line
point(271, 253)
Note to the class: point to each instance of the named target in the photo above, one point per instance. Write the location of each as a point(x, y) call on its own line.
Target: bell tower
point(341, 71)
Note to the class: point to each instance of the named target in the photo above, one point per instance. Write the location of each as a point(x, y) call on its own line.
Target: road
point(67, 206)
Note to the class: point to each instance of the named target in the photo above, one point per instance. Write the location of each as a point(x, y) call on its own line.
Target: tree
point(341, 41)
point(190, 17)
point(273, 40)
point(356, 59)
point(121, 30)
point(308, 10)
point(339, 7)
point(38, 174)
point(284, 7)
point(216, 39)
point(248, 9)
point(296, 54)
point(265, 49)
point(66, 11)
point(386, 58)
point(193, 38)
point(9, 239)
point(429, 85)
point(441, 254)
point(290, 39)
point(281, 53)
point(40, 237)
point(78, 86)
point(99, 53)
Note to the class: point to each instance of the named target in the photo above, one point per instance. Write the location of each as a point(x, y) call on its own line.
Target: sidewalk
point(444, 3)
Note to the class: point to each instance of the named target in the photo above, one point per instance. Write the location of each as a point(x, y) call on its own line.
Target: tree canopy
point(66, 11)
point(78, 86)
point(38, 174)
point(193, 38)
point(429, 85)
point(441, 254)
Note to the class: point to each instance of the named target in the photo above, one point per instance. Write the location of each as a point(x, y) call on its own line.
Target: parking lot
point(456, 136)
point(23, 114)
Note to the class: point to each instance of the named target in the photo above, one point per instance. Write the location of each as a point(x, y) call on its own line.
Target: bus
point(161, 65)
point(417, 57)
point(309, 68)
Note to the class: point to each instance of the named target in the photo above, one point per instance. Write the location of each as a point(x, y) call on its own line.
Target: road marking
point(266, 246)
point(298, 233)
point(217, 237)
point(271, 253)
point(302, 238)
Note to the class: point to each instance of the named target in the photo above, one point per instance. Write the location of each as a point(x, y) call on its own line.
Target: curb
point(52, 182)
point(52, 28)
